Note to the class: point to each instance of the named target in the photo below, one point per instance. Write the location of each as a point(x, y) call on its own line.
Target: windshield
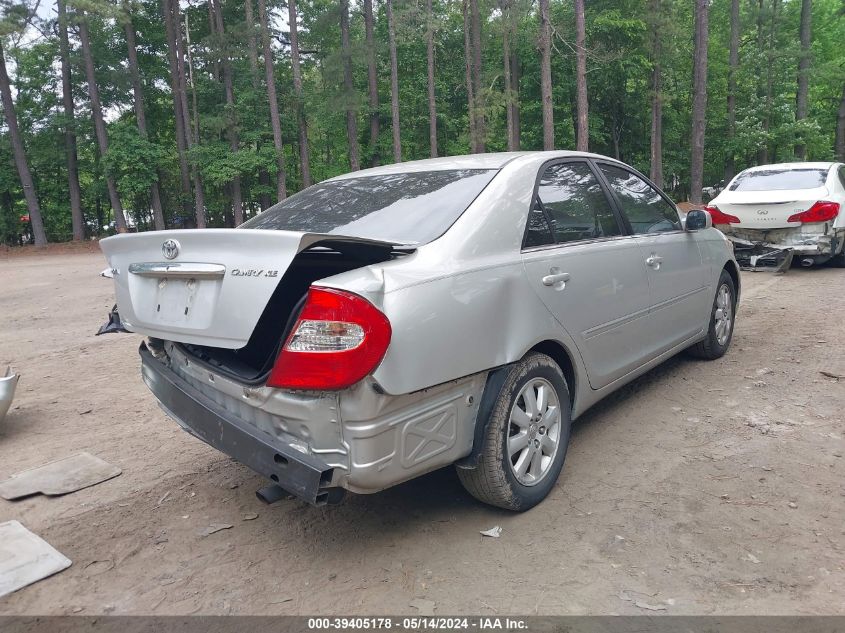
point(779, 179)
point(407, 208)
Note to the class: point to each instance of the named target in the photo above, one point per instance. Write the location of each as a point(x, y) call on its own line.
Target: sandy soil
point(700, 488)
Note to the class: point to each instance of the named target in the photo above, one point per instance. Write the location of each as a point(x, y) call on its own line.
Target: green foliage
point(134, 161)
point(619, 62)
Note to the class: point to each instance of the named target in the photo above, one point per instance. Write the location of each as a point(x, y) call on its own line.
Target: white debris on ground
point(25, 558)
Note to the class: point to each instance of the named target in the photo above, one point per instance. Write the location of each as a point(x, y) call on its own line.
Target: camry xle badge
point(762, 212)
point(170, 249)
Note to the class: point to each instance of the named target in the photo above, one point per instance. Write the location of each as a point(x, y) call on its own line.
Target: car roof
point(494, 160)
point(790, 166)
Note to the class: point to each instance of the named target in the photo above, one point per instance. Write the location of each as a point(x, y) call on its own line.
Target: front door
point(586, 271)
point(677, 277)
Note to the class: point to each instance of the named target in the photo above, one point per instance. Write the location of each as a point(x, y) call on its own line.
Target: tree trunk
point(99, 122)
point(231, 114)
point(615, 134)
point(304, 152)
point(394, 84)
point(656, 173)
point(763, 151)
point(140, 115)
point(21, 163)
point(252, 52)
point(275, 119)
point(839, 143)
point(770, 77)
point(803, 72)
point(194, 124)
point(77, 219)
point(252, 44)
point(546, 76)
point(432, 103)
point(504, 5)
point(480, 123)
point(212, 29)
point(514, 64)
point(473, 138)
point(582, 135)
point(372, 82)
point(171, 29)
point(699, 100)
point(733, 68)
point(349, 88)
point(264, 199)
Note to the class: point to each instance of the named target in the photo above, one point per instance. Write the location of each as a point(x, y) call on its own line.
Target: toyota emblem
point(170, 249)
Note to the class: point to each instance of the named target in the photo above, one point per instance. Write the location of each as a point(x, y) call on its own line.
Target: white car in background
point(773, 213)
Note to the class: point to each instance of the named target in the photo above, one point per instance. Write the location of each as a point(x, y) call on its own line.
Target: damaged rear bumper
point(300, 474)
point(777, 248)
point(761, 256)
point(317, 445)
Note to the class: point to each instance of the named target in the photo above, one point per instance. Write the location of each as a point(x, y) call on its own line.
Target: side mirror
point(698, 219)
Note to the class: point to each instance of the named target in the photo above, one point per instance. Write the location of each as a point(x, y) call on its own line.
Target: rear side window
point(405, 208)
point(779, 179)
point(538, 233)
point(642, 204)
point(576, 204)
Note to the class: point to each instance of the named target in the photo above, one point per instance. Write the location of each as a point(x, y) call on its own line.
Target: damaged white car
point(774, 213)
point(392, 321)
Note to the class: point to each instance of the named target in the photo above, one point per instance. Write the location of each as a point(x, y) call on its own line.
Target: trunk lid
point(768, 209)
point(204, 287)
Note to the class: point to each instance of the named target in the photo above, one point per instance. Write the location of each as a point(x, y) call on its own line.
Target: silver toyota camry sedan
point(392, 321)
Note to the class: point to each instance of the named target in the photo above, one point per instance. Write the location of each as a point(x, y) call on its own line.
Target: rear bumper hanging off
point(763, 256)
point(302, 475)
point(775, 249)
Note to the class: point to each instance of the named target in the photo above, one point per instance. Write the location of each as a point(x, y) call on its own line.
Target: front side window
point(642, 204)
point(576, 204)
point(404, 208)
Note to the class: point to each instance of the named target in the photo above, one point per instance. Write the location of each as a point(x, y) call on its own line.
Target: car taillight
point(338, 339)
point(821, 211)
point(721, 218)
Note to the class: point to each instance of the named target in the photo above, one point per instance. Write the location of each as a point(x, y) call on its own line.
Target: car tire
point(717, 341)
point(511, 476)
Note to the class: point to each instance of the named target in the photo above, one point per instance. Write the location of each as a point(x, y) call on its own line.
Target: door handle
point(555, 278)
point(654, 261)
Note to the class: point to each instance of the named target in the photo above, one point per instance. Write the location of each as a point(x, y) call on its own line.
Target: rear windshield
point(779, 179)
point(407, 208)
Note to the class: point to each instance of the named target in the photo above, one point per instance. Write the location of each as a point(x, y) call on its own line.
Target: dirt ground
point(700, 488)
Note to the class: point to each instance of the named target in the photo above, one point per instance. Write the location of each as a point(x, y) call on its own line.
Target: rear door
point(586, 270)
point(677, 277)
